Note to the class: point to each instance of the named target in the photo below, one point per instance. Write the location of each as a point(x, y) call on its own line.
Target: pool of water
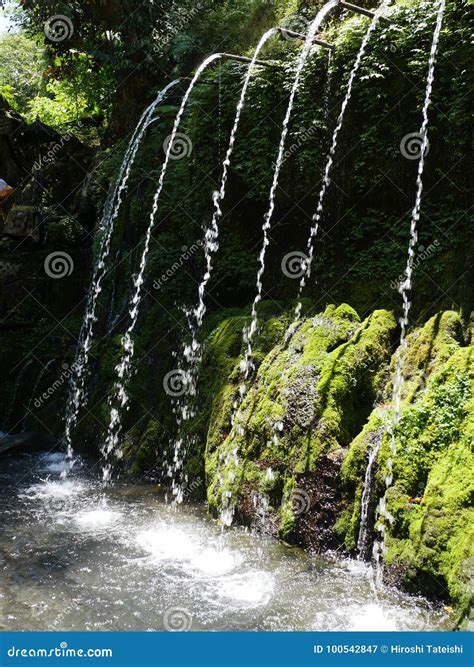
point(76, 557)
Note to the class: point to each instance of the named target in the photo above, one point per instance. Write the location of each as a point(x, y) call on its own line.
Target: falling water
point(192, 352)
point(327, 89)
point(35, 389)
point(112, 206)
point(123, 368)
point(366, 498)
point(14, 393)
point(247, 365)
point(330, 160)
point(405, 289)
point(212, 232)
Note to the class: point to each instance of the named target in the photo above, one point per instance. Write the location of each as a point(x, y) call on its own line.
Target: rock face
point(48, 212)
point(291, 460)
point(430, 542)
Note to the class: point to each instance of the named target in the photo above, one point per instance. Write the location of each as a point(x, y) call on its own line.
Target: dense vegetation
point(319, 401)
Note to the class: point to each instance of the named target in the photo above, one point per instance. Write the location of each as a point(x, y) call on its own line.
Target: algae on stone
point(310, 396)
point(429, 543)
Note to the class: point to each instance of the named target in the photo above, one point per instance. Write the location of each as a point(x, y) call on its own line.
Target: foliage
point(22, 64)
point(321, 386)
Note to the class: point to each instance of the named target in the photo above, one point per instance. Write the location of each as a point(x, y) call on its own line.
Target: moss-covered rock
point(310, 396)
point(431, 499)
point(429, 542)
point(428, 347)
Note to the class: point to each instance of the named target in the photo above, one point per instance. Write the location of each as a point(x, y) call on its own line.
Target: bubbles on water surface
point(97, 519)
point(118, 559)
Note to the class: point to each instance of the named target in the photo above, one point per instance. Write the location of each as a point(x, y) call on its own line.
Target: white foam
point(166, 542)
point(372, 618)
point(98, 518)
point(215, 562)
point(54, 490)
point(251, 588)
point(169, 543)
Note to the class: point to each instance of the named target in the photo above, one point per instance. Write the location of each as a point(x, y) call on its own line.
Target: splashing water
point(111, 555)
point(330, 161)
point(247, 365)
point(76, 397)
point(123, 368)
point(192, 352)
point(35, 389)
point(384, 515)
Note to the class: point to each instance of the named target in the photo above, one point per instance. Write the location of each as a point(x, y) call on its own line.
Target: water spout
point(76, 395)
point(192, 352)
point(119, 401)
point(330, 161)
point(247, 366)
point(385, 518)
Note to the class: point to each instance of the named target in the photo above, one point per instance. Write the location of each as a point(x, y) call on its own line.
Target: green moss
point(427, 348)
point(429, 542)
point(431, 499)
point(310, 395)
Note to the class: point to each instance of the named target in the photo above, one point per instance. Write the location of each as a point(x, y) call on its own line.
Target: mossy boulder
point(429, 542)
point(310, 397)
point(431, 499)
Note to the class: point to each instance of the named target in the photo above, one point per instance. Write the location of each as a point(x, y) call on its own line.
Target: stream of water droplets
point(405, 288)
point(192, 351)
point(76, 396)
point(119, 400)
